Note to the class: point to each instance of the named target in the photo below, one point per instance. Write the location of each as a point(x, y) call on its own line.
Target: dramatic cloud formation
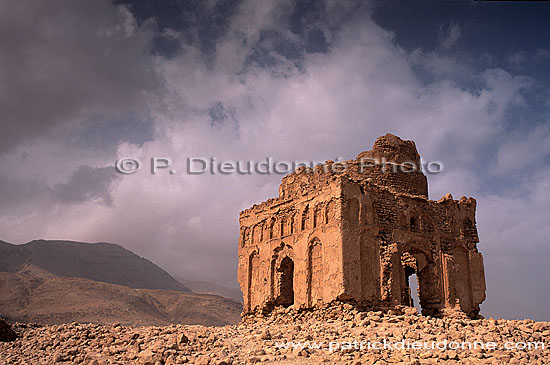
point(66, 61)
point(90, 83)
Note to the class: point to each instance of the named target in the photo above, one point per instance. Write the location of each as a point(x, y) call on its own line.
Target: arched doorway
point(420, 288)
point(409, 265)
point(285, 283)
point(407, 292)
point(315, 272)
point(253, 280)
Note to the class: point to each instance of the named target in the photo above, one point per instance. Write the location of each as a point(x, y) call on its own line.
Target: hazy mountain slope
point(105, 262)
point(205, 287)
point(52, 299)
point(11, 258)
point(191, 308)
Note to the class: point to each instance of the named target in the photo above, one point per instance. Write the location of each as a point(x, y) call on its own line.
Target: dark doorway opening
point(285, 283)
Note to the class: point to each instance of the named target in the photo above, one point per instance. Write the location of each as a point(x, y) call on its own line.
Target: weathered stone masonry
point(358, 234)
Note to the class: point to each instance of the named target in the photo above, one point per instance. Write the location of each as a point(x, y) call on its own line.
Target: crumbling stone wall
point(357, 231)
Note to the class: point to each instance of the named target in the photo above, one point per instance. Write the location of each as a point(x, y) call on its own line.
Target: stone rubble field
point(262, 339)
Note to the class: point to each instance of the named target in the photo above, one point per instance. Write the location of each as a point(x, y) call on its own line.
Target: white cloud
point(522, 151)
point(514, 232)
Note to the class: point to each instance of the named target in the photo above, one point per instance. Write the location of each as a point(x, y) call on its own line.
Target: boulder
point(7, 334)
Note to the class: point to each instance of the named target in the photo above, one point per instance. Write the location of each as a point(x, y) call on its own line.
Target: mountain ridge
point(60, 281)
point(99, 261)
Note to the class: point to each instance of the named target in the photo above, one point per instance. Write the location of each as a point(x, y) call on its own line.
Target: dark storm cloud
point(305, 26)
point(106, 132)
point(219, 114)
point(87, 184)
point(491, 33)
point(84, 184)
point(62, 61)
point(17, 193)
point(198, 23)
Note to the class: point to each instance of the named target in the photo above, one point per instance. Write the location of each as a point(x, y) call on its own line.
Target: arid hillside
point(205, 287)
point(52, 282)
point(53, 299)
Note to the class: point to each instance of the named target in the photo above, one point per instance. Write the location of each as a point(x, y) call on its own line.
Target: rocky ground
point(341, 334)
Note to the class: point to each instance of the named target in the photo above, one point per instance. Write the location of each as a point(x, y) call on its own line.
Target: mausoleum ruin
point(356, 231)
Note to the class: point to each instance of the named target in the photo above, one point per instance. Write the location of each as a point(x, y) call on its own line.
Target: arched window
point(271, 228)
point(329, 212)
point(257, 233)
point(305, 214)
point(413, 223)
point(245, 236)
point(317, 216)
point(315, 272)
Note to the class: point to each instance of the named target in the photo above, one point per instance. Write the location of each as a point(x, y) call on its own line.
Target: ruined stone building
point(356, 231)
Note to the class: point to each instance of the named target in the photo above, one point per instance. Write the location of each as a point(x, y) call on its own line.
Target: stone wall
point(357, 230)
point(304, 229)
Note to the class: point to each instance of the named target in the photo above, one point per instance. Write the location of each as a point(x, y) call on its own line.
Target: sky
point(84, 84)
